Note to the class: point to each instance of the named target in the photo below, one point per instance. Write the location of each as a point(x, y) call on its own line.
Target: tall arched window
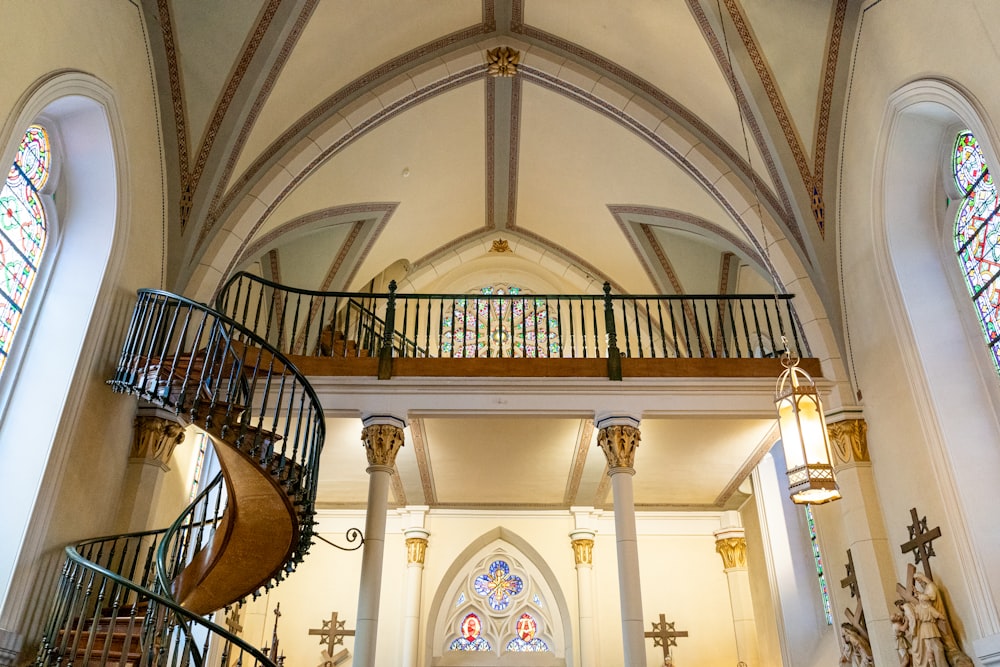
point(23, 231)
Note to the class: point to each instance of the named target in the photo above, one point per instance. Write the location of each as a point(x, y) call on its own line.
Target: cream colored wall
point(929, 392)
point(682, 577)
point(97, 50)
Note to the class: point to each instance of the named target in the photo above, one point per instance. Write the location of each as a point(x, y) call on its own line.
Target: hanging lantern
point(803, 436)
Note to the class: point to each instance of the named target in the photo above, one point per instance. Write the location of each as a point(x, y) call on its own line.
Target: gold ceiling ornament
point(502, 61)
point(501, 245)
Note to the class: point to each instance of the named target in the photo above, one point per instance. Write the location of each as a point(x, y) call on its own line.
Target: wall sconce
point(803, 436)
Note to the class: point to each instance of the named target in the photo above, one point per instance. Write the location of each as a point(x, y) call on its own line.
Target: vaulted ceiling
point(336, 144)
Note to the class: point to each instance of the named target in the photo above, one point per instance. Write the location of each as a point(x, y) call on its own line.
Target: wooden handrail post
point(614, 355)
point(385, 354)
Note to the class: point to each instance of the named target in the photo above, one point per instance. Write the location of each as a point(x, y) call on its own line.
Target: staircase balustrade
point(148, 598)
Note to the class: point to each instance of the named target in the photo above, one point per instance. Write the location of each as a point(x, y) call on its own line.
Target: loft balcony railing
point(513, 326)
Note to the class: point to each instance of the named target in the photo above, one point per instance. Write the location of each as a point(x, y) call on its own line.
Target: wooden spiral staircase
point(148, 598)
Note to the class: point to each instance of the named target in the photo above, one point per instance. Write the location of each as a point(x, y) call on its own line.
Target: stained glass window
point(510, 324)
point(977, 236)
point(499, 585)
point(818, 558)
point(500, 608)
point(22, 230)
point(525, 639)
point(199, 464)
point(471, 639)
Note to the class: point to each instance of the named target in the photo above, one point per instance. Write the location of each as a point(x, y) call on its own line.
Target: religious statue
point(923, 628)
point(855, 649)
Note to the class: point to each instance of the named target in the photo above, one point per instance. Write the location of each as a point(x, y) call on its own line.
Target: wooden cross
point(235, 627)
point(332, 632)
point(664, 635)
point(855, 616)
point(920, 541)
point(233, 621)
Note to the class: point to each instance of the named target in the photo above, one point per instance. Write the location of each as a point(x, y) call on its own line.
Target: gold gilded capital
point(382, 442)
point(849, 440)
point(416, 548)
point(583, 551)
point(619, 443)
point(733, 551)
point(155, 439)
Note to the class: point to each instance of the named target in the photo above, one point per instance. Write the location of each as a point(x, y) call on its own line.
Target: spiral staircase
point(149, 598)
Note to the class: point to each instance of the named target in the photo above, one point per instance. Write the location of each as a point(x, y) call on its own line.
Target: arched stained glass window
point(23, 231)
point(499, 608)
point(977, 236)
point(501, 321)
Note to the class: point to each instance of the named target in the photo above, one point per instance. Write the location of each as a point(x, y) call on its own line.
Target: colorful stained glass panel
point(498, 586)
point(969, 162)
point(525, 640)
point(818, 558)
point(981, 258)
point(22, 231)
point(471, 639)
point(975, 211)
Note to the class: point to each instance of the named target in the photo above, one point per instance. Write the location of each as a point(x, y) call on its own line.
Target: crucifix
point(234, 626)
point(272, 652)
point(920, 541)
point(664, 635)
point(855, 616)
point(332, 632)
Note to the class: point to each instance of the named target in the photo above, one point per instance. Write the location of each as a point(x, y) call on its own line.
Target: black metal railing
point(343, 324)
point(111, 610)
point(116, 601)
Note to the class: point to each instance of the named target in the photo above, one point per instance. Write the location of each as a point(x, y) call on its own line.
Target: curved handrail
point(88, 582)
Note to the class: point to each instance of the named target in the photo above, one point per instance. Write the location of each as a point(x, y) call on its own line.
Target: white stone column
point(864, 529)
point(156, 435)
point(383, 436)
point(583, 552)
point(618, 437)
point(416, 549)
point(731, 544)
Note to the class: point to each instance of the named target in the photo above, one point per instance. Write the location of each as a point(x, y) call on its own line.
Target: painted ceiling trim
point(254, 221)
point(419, 436)
point(636, 127)
point(672, 107)
point(579, 461)
point(812, 178)
point(391, 70)
point(767, 443)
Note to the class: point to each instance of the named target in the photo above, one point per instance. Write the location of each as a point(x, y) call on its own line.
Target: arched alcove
point(949, 385)
point(543, 600)
point(87, 247)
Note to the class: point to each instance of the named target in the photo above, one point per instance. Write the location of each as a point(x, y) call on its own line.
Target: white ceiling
point(617, 153)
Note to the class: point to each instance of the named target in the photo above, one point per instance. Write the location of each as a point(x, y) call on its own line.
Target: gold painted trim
point(619, 443)
point(416, 549)
point(849, 441)
point(583, 551)
point(733, 551)
point(382, 443)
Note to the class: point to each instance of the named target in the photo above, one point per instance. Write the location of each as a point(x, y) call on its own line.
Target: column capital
point(732, 548)
point(416, 548)
point(619, 441)
point(583, 549)
point(849, 441)
point(155, 439)
point(383, 436)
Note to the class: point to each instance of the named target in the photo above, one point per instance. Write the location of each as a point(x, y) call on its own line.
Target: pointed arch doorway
point(499, 604)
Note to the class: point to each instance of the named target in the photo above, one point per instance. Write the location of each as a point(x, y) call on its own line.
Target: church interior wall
point(931, 410)
point(111, 247)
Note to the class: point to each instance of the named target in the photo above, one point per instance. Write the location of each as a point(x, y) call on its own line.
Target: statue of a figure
point(855, 649)
point(923, 627)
